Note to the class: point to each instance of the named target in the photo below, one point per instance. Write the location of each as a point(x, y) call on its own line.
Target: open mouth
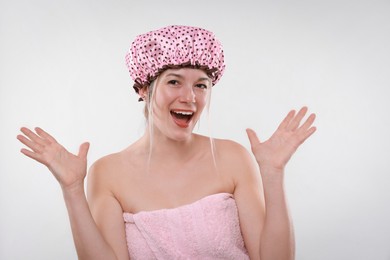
point(182, 118)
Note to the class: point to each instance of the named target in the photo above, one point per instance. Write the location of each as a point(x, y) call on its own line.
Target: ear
point(143, 92)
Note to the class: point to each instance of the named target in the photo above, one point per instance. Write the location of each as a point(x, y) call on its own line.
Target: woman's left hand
point(274, 153)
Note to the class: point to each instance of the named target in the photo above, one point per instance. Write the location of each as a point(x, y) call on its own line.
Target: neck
point(163, 147)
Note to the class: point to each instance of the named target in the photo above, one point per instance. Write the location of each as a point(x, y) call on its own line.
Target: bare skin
point(180, 172)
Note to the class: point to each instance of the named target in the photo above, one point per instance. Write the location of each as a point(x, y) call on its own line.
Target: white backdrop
point(62, 68)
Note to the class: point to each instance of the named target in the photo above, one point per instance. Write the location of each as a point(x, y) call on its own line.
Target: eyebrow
point(180, 76)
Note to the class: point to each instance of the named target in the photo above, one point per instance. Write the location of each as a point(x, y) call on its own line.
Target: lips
point(182, 117)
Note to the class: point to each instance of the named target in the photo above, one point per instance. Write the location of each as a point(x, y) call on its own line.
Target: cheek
point(201, 99)
point(164, 96)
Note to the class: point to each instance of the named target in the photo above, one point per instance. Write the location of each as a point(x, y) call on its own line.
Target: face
point(179, 99)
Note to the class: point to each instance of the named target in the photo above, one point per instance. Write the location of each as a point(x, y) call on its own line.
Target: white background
point(62, 68)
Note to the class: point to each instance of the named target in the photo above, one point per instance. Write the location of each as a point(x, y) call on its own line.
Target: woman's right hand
point(69, 169)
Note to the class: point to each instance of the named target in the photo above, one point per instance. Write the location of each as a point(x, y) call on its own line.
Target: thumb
point(252, 136)
point(83, 151)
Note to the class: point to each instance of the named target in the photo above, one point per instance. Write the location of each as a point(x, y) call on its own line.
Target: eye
point(173, 82)
point(201, 86)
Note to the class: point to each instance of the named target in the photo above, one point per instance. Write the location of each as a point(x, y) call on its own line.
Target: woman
point(173, 193)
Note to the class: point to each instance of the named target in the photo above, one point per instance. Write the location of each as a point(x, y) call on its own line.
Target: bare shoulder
point(236, 159)
point(232, 152)
point(111, 171)
point(104, 166)
point(230, 146)
point(100, 174)
point(112, 165)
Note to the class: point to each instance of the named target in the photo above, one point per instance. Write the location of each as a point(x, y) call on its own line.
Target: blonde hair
point(150, 100)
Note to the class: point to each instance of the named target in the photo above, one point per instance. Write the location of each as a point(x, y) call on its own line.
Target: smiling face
point(179, 99)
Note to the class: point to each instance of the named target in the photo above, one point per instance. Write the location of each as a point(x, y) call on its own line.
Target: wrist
point(273, 186)
point(272, 179)
point(74, 190)
point(270, 172)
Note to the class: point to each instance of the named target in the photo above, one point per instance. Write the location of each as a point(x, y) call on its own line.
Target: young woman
point(174, 194)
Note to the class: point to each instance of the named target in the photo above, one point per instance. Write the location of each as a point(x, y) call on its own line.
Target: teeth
point(184, 113)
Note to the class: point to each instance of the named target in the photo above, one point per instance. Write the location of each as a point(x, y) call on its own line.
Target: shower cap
point(174, 45)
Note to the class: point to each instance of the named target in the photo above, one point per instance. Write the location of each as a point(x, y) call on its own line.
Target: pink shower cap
point(152, 52)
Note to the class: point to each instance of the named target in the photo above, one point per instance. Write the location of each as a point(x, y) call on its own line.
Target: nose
point(187, 95)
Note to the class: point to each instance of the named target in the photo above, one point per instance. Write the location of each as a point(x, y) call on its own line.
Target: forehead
point(190, 73)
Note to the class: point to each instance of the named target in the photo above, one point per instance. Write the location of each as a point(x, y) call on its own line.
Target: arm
point(275, 237)
point(89, 240)
point(70, 171)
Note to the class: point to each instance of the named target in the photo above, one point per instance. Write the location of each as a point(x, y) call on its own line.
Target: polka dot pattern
point(174, 45)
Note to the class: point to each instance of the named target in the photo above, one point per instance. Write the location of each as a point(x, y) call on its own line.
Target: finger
point(297, 119)
point(252, 136)
point(286, 120)
point(308, 133)
point(45, 135)
point(309, 121)
point(83, 151)
point(30, 144)
point(33, 137)
point(31, 154)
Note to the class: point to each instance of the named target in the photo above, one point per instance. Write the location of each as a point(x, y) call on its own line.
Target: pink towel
point(206, 229)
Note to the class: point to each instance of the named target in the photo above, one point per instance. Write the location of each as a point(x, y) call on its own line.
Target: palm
point(65, 166)
point(278, 149)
